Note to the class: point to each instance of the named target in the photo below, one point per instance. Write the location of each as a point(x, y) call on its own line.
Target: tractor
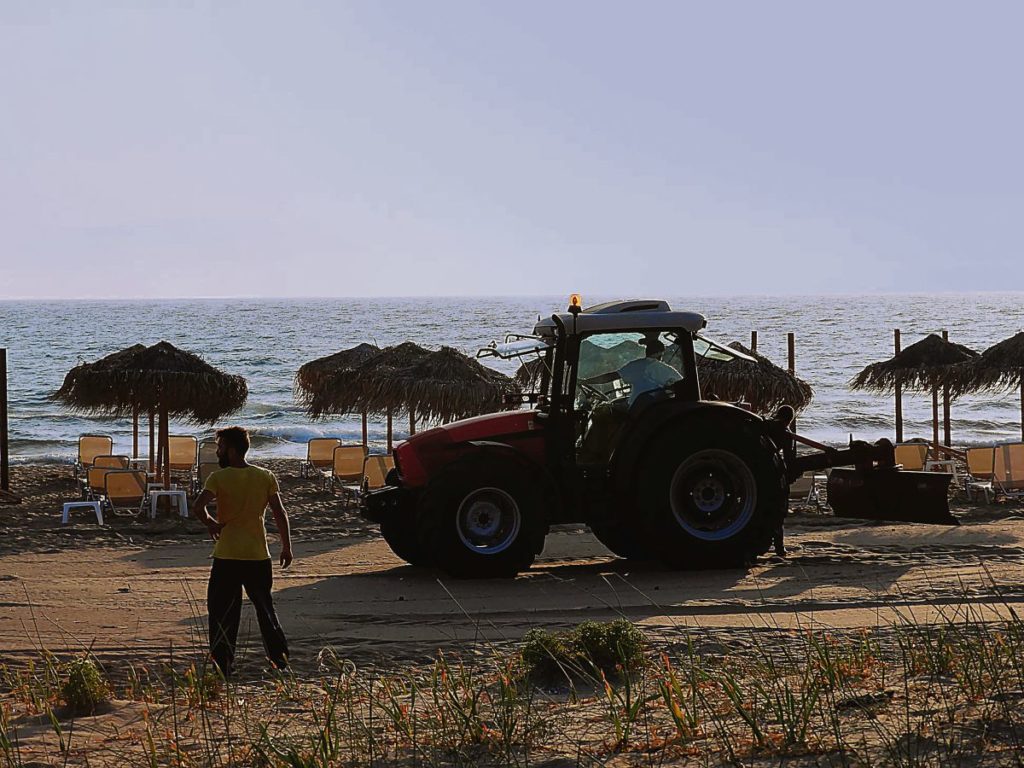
point(615, 433)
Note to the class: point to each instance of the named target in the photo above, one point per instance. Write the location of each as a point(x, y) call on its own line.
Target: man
point(607, 418)
point(649, 372)
point(241, 557)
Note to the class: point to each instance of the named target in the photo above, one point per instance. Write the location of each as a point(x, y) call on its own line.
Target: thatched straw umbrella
point(928, 364)
point(529, 373)
point(160, 379)
point(350, 390)
point(312, 376)
point(444, 385)
point(763, 384)
point(1000, 367)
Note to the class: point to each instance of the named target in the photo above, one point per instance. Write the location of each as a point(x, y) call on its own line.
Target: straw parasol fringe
point(312, 375)
point(924, 365)
point(160, 379)
point(1000, 367)
point(348, 389)
point(763, 384)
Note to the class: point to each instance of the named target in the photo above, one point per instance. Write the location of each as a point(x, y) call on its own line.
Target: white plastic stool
point(94, 505)
point(178, 498)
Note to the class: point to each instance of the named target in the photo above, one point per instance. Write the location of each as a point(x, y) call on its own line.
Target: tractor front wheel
point(399, 531)
point(481, 519)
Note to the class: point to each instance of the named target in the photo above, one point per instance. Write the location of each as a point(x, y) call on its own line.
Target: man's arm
point(203, 516)
point(281, 521)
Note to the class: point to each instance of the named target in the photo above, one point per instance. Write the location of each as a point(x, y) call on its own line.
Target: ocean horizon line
point(557, 296)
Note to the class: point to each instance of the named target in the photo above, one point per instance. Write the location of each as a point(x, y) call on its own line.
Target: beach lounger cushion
point(911, 455)
point(319, 454)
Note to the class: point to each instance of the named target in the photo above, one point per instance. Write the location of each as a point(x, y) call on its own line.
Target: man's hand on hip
point(213, 527)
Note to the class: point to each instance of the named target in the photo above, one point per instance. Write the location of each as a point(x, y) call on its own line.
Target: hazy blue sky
point(403, 148)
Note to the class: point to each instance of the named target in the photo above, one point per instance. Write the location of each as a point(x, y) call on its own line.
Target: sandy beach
point(132, 595)
point(134, 588)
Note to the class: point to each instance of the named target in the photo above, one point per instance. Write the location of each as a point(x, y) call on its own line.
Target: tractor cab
point(593, 369)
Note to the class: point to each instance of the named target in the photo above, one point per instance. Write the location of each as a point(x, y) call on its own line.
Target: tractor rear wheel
point(481, 518)
point(713, 495)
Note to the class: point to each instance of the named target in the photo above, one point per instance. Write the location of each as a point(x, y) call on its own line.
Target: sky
point(402, 147)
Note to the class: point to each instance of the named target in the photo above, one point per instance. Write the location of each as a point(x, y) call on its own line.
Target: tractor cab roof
point(631, 315)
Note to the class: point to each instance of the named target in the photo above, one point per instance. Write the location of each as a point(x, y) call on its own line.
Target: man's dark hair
point(236, 437)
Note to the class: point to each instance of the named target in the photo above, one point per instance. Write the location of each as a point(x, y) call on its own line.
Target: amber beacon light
point(575, 303)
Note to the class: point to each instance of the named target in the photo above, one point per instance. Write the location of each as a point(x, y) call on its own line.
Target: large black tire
point(399, 531)
point(624, 540)
point(713, 494)
point(481, 517)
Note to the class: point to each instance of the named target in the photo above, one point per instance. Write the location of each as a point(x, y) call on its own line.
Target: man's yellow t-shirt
point(242, 495)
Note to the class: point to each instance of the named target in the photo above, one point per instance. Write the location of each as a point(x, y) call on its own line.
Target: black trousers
point(224, 602)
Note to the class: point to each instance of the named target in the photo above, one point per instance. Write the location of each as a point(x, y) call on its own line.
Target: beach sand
point(135, 588)
point(132, 593)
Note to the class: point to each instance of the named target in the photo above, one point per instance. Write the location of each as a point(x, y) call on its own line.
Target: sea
point(266, 340)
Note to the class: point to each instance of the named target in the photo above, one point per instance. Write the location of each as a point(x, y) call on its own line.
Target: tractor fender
point(503, 452)
point(659, 417)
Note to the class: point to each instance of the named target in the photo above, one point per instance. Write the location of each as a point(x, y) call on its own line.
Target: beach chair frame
point(978, 477)
point(311, 467)
point(350, 481)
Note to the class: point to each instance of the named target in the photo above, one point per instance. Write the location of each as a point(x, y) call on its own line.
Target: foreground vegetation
point(905, 695)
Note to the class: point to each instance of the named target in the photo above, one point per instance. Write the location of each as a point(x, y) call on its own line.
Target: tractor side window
point(616, 366)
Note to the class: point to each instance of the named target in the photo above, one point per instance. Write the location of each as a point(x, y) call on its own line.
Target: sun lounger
point(911, 455)
point(319, 455)
point(1008, 470)
point(346, 469)
point(375, 470)
point(980, 466)
point(93, 482)
point(206, 468)
point(182, 451)
point(806, 488)
point(207, 452)
point(112, 462)
point(125, 489)
point(89, 447)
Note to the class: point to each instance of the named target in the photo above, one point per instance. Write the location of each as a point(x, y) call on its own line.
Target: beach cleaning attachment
point(866, 483)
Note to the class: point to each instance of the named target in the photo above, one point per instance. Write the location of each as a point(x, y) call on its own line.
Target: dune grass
point(901, 695)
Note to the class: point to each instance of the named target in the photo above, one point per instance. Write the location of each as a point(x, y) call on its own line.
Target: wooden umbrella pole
point(5, 459)
point(899, 393)
point(152, 440)
point(935, 421)
point(135, 432)
point(945, 405)
point(791, 344)
point(753, 341)
point(366, 441)
point(165, 443)
point(389, 430)
point(159, 468)
point(412, 421)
